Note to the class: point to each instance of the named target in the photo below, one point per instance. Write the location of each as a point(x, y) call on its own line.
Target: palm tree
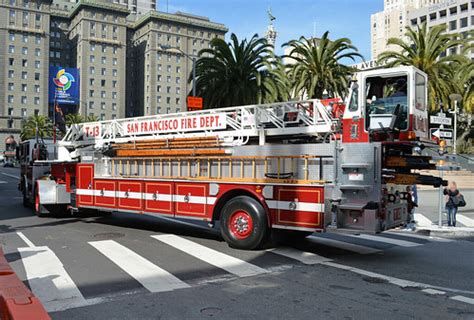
point(73, 118)
point(317, 65)
point(279, 86)
point(426, 49)
point(91, 118)
point(37, 125)
point(230, 74)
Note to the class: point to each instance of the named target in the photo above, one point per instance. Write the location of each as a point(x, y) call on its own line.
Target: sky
point(294, 18)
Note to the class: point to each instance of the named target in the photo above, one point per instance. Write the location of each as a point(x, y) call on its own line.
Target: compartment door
point(85, 184)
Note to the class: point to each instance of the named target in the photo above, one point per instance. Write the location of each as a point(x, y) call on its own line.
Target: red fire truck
point(303, 166)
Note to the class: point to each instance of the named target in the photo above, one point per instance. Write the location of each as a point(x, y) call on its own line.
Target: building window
point(11, 35)
point(91, 70)
point(37, 112)
point(91, 81)
point(25, 38)
point(452, 25)
point(104, 60)
point(23, 87)
point(37, 76)
point(11, 87)
point(178, 80)
point(178, 69)
point(92, 46)
point(37, 88)
point(102, 83)
point(10, 100)
point(91, 93)
point(11, 61)
point(114, 61)
point(11, 73)
point(178, 101)
point(114, 116)
point(442, 13)
point(114, 50)
point(114, 83)
point(91, 58)
point(37, 52)
point(102, 94)
point(158, 88)
point(38, 39)
point(102, 116)
point(24, 75)
point(178, 90)
point(103, 71)
point(91, 104)
point(168, 79)
point(24, 50)
point(158, 78)
point(114, 72)
point(158, 110)
point(11, 49)
point(158, 56)
point(159, 67)
point(168, 69)
point(114, 95)
point(24, 100)
point(102, 106)
point(37, 100)
point(463, 22)
point(37, 64)
point(24, 63)
point(168, 89)
point(23, 111)
point(453, 10)
point(158, 99)
point(168, 101)
point(114, 106)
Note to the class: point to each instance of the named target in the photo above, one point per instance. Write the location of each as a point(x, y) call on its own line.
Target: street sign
point(194, 103)
point(446, 134)
point(441, 119)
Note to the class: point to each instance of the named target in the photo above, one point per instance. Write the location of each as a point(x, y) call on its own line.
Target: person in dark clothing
point(451, 207)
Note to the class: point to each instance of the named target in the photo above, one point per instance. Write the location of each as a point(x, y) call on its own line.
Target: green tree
point(37, 125)
point(91, 118)
point(317, 65)
point(426, 49)
point(279, 85)
point(73, 118)
point(234, 73)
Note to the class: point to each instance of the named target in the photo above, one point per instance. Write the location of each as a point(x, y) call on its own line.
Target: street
point(126, 266)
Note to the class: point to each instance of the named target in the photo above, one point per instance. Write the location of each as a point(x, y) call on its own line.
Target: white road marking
point(468, 222)
point(230, 264)
point(419, 236)
point(401, 243)
point(421, 220)
point(148, 274)
point(11, 176)
point(433, 291)
point(3, 182)
point(49, 281)
point(26, 240)
point(463, 299)
point(302, 256)
point(344, 245)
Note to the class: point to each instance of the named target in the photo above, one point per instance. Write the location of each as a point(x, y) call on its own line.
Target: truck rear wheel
point(244, 223)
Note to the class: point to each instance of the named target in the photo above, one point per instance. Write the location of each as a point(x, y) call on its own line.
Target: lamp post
point(456, 98)
point(192, 58)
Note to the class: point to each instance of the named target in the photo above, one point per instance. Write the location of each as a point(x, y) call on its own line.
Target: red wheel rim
point(240, 224)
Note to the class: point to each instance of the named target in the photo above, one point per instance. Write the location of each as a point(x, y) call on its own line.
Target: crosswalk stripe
point(463, 299)
point(401, 243)
point(418, 236)
point(49, 281)
point(343, 245)
point(148, 274)
point(221, 260)
point(468, 222)
point(421, 220)
point(302, 256)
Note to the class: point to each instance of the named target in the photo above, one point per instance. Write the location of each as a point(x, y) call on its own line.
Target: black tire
point(237, 235)
point(26, 201)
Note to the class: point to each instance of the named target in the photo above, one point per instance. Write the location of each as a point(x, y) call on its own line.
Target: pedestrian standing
point(451, 193)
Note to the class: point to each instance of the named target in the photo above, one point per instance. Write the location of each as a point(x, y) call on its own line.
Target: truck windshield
point(384, 95)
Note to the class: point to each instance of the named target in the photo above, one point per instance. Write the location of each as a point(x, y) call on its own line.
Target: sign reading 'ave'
point(175, 124)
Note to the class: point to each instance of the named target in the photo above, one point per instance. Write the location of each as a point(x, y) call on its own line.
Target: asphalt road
point(133, 267)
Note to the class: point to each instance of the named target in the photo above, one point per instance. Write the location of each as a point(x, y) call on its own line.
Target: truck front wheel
point(244, 223)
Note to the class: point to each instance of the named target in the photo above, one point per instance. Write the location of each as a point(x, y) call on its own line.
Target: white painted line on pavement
point(468, 222)
point(221, 260)
point(3, 182)
point(343, 245)
point(433, 291)
point(419, 236)
point(402, 243)
point(148, 274)
point(463, 299)
point(11, 176)
point(422, 221)
point(302, 256)
point(49, 281)
point(26, 240)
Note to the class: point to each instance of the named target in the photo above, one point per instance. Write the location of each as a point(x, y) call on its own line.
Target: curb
point(16, 300)
point(447, 232)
